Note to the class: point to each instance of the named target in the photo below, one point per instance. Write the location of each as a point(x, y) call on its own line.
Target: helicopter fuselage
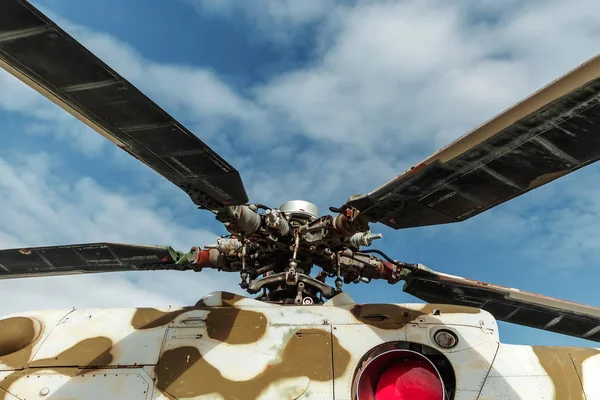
point(231, 347)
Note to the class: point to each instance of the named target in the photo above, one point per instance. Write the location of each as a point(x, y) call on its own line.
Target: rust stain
point(182, 372)
point(18, 335)
point(543, 179)
point(564, 366)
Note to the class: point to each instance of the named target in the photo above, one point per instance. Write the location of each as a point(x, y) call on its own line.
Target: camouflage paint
point(271, 352)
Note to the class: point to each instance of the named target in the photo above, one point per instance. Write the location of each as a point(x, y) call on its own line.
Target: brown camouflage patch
point(392, 316)
point(182, 372)
point(92, 352)
point(448, 309)
point(564, 365)
point(18, 335)
point(230, 299)
point(227, 300)
point(148, 318)
point(222, 324)
point(5, 384)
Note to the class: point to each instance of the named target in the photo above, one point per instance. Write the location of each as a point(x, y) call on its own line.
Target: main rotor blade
point(42, 55)
point(87, 258)
point(507, 304)
point(552, 133)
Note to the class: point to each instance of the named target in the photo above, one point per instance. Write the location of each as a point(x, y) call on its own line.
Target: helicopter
point(296, 335)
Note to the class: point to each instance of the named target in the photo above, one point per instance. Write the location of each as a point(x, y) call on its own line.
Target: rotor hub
point(300, 208)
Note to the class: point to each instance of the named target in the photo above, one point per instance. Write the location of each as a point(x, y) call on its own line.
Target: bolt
point(364, 238)
point(307, 301)
point(338, 284)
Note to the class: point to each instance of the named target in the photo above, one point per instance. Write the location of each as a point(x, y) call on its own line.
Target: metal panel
point(71, 383)
point(284, 363)
point(21, 336)
point(103, 337)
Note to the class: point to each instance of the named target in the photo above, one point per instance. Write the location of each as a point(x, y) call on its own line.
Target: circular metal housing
point(371, 373)
point(445, 338)
point(300, 208)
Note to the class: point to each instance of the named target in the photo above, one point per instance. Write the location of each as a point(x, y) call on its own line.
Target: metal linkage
point(275, 250)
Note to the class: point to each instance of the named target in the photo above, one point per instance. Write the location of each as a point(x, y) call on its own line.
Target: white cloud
point(389, 83)
point(564, 232)
point(420, 74)
point(278, 19)
point(188, 92)
point(31, 188)
point(14, 96)
point(40, 208)
point(199, 97)
point(185, 91)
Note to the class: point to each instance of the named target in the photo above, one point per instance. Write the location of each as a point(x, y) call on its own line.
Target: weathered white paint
point(484, 368)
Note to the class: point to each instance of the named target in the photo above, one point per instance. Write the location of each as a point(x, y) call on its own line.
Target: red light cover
point(409, 380)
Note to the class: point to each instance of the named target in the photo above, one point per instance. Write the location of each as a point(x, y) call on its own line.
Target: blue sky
point(315, 100)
